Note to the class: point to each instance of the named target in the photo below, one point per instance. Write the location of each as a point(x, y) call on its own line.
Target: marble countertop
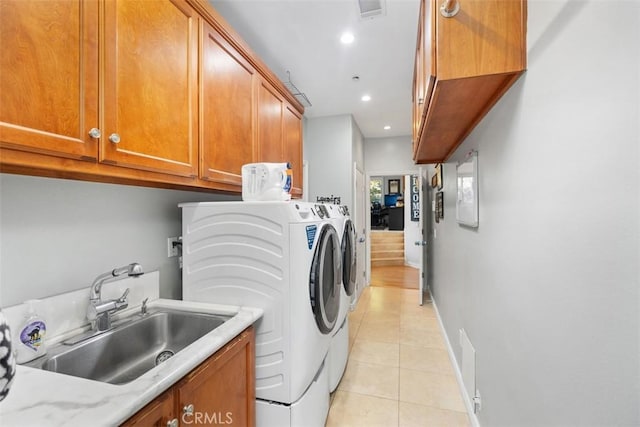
point(42, 398)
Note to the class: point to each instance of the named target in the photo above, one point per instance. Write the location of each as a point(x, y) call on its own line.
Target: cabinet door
point(157, 413)
point(151, 86)
point(227, 110)
point(418, 84)
point(270, 103)
point(424, 67)
point(222, 389)
point(293, 146)
point(49, 77)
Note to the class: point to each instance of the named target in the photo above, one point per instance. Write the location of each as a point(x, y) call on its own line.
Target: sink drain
point(164, 355)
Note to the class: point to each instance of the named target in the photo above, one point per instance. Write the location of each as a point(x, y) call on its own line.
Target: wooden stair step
point(387, 254)
point(390, 239)
point(387, 261)
point(387, 246)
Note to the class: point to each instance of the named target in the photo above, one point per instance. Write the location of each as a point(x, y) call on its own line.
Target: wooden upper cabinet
point(293, 147)
point(49, 77)
point(279, 132)
point(151, 86)
point(424, 69)
point(227, 121)
point(155, 92)
point(270, 117)
point(465, 63)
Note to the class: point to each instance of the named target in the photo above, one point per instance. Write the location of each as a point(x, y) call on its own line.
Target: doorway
point(393, 259)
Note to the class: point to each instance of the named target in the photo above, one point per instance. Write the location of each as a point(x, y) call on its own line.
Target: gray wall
point(382, 155)
point(58, 235)
point(547, 287)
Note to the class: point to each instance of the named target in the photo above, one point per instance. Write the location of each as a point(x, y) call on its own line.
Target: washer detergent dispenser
point(266, 182)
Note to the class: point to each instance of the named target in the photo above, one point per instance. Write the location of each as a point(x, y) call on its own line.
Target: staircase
point(387, 248)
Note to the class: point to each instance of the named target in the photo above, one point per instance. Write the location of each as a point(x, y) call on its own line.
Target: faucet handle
point(123, 298)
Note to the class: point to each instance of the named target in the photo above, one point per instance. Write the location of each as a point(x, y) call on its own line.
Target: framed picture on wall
point(394, 186)
point(467, 199)
point(439, 176)
point(439, 205)
point(434, 181)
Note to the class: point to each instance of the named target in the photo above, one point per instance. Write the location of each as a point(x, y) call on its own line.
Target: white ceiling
point(303, 37)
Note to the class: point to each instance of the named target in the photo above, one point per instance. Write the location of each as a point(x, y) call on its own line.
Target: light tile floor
point(398, 373)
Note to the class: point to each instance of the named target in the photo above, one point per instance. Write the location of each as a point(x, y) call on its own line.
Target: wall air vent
point(371, 8)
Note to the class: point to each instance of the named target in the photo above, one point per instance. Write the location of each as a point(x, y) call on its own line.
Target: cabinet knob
point(420, 101)
point(95, 133)
point(188, 409)
point(115, 138)
point(449, 8)
point(173, 423)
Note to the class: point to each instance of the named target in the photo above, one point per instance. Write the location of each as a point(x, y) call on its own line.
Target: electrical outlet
point(173, 244)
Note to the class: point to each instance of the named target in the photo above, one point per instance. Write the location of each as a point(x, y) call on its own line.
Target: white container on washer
point(266, 182)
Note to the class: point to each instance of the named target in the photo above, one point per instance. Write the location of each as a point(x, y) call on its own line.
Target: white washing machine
point(339, 349)
point(285, 258)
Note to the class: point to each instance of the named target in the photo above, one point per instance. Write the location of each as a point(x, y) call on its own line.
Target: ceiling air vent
point(371, 8)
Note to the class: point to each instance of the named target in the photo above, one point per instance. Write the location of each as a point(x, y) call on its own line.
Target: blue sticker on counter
point(311, 234)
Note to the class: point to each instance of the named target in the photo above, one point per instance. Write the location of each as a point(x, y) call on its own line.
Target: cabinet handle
point(188, 409)
point(115, 138)
point(95, 133)
point(172, 423)
point(420, 101)
point(449, 8)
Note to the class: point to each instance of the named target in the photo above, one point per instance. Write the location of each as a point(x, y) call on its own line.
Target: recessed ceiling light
point(366, 98)
point(347, 38)
point(387, 127)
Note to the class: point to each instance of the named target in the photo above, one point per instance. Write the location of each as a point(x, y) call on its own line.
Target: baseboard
point(411, 264)
point(452, 358)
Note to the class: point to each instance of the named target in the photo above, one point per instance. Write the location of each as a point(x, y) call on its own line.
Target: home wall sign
point(415, 198)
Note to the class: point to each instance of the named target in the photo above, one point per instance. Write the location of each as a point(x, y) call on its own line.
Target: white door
point(360, 224)
point(422, 274)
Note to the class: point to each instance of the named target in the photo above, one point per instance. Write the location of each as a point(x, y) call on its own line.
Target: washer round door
point(349, 269)
point(324, 281)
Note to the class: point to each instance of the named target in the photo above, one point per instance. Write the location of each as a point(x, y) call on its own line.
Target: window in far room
point(375, 189)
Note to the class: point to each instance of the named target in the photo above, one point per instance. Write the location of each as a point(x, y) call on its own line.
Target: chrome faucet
point(99, 312)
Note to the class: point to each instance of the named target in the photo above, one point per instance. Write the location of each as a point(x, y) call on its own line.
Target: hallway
point(398, 373)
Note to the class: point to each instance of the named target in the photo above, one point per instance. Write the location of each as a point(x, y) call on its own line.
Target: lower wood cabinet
point(221, 391)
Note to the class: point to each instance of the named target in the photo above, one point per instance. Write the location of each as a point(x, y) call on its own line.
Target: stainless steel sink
point(132, 348)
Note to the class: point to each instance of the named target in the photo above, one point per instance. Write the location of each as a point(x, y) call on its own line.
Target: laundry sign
point(415, 198)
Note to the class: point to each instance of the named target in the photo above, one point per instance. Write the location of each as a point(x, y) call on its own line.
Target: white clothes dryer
point(339, 349)
point(283, 257)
